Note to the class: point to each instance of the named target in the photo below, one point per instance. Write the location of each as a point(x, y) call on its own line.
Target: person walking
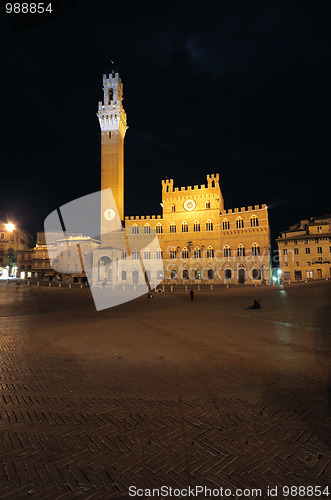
point(192, 295)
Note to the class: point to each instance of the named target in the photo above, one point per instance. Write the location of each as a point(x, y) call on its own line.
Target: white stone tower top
point(111, 114)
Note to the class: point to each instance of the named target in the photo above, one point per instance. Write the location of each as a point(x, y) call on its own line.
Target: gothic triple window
point(173, 208)
point(184, 227)
point(226, 224)
point(241, 251)
point(147, 229)
point(207, 204)
point(254, 221)
point(196, 226)
point(226, 251)
point(147, 254)
point(172, 227)
point(159, 254)
point(209, 225)
point(173, 253)
point(135, 254)
point(159, 228)
point(185, 253)
point(239, 223)
point(197, 253)
point(210, 252)
point(255, 249)
point(135, 229)
point(123, 255)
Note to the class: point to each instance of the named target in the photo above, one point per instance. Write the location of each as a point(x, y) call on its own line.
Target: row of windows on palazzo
point(254, 222)
point(187, 274)
point(197, 252)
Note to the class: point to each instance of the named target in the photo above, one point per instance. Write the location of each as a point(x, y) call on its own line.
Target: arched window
point(147, 253)
point(196, 226)
point(135, 277)
point(227, 274)
point(210, 252)
point(135, 229)
point(210, 274)
point(226, 251)
point(254, 221)
point(198, 274)
point(185, 253)
point(173, 274)
point(212, 184)
point(173, 253)
point(159, 228)
point(186, 274)
point(184, 227)
point(167, 189)
point(147, 229)
point(123, 255)
point(209, 225)
point(256, 274)
point(123, 275)
point(241, 251)
point(207, 204)
point(255, 249)
point(135, 254)
point(172, 227)
point(173, 208)
point(197, 253)
point(159, 254)
point(226, 224)
point(239, 223)
point(110, 96)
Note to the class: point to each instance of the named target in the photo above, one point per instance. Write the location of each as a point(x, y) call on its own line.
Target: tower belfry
point(112, 119)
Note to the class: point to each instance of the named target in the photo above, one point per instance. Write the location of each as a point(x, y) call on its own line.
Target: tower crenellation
point(168, 185)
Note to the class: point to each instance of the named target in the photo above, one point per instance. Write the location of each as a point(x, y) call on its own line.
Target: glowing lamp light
point(10, 227)
point(279, 271)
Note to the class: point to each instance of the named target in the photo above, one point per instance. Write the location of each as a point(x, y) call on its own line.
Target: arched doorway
point(135, 277)
point(105, 269)
point(241, 275)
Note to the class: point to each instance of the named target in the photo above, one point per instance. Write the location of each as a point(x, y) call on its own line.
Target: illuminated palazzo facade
point(199, 240)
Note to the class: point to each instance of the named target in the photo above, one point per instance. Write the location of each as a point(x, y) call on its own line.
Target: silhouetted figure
point(192, 295)
point(256, 305)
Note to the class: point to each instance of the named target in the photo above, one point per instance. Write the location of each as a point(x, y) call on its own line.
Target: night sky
point(239, 88)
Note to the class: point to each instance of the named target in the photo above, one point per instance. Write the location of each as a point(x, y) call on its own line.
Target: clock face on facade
point(189, 205)
point(109, 214)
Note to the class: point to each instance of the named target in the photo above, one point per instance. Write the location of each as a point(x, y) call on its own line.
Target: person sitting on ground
point(256, 305)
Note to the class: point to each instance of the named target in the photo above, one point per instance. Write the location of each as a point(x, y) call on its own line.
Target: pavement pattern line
point(266, 320)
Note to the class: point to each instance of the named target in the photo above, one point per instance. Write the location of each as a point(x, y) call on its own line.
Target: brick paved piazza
point(164, 392)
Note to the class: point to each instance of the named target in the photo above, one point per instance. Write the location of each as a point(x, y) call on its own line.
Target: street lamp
point(10, 227)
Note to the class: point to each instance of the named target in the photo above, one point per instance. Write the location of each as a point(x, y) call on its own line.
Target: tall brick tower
point(112, 119)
